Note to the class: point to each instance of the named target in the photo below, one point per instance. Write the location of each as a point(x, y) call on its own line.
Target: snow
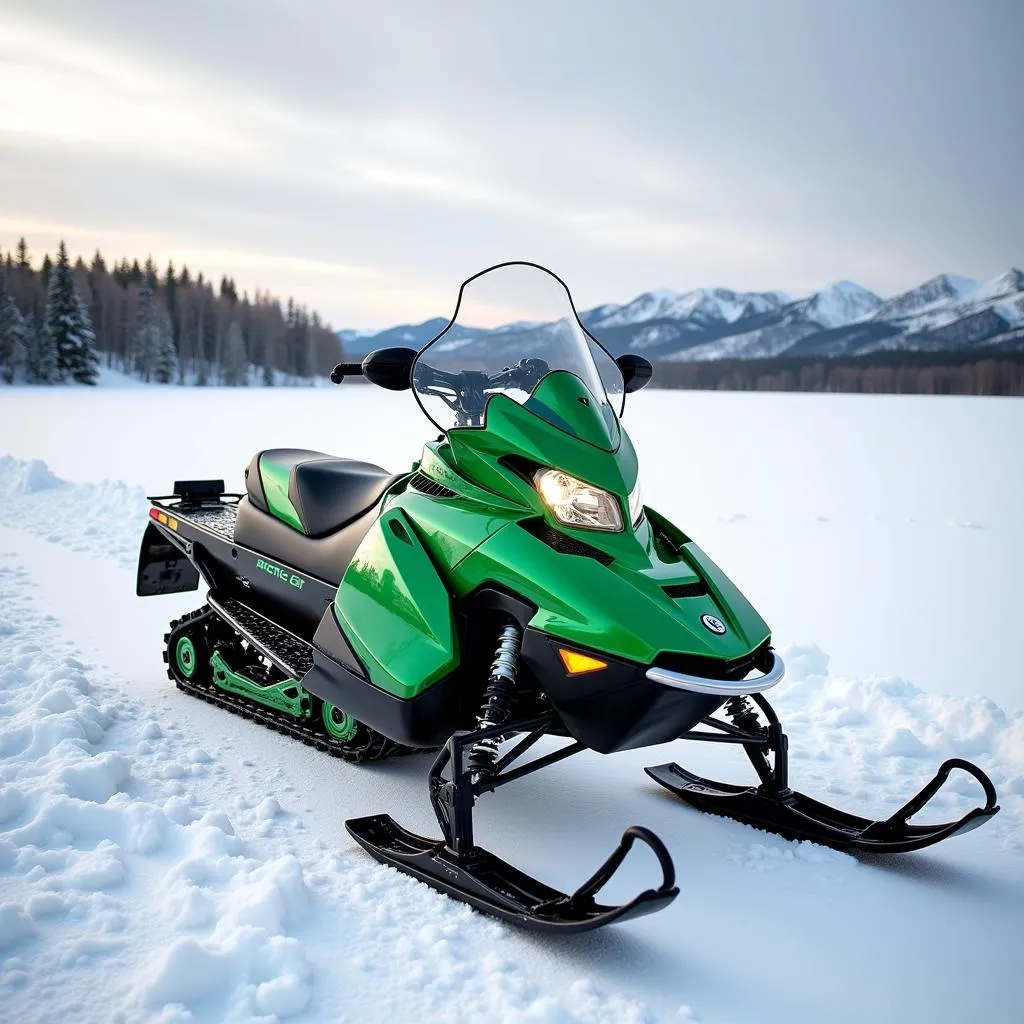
point(1012, 312)
point(161, 860)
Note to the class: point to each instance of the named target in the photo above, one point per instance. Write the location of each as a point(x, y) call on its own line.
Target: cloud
point(368, 158)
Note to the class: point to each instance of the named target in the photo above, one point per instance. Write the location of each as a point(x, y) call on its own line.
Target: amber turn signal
point(576, 664)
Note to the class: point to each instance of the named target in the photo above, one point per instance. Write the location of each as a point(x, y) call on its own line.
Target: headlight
point(636, 504)
point(577, 504)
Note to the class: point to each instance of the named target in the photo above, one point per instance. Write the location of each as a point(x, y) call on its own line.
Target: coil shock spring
point(743, 715)
point(497, 700)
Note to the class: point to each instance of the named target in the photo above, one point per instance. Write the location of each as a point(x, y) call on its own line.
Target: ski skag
point(774, 807)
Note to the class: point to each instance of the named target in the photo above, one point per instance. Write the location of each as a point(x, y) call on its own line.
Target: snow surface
point(162, 860)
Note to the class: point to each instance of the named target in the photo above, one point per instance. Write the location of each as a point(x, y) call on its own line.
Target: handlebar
point(343, 370)
point(526, 373)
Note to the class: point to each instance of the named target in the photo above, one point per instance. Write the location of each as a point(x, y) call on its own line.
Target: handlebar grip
point(343, 370)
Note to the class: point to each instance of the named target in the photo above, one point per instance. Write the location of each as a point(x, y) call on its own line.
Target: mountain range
point(945, 313)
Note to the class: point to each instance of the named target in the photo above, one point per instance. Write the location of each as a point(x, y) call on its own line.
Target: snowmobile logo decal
point(282, 574)
point(716, 625)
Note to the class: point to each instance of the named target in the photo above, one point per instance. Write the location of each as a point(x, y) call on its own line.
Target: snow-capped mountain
point(946, 312)
point(944, 288)
point(839, 304)
point(709, 305)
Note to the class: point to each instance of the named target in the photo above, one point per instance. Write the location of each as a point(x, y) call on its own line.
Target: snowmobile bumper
point(628, 704)
point(496, 887)
point(721, 687)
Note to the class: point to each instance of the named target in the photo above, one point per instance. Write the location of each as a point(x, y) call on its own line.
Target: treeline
point(60, 320)
point(899, 373)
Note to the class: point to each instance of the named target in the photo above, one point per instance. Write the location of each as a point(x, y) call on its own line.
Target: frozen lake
point(162, 857)
point(884, 528)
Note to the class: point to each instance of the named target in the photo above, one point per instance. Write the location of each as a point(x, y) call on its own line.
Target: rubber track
point(376, 748)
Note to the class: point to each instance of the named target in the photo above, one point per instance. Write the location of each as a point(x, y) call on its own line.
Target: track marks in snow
point(145, 878)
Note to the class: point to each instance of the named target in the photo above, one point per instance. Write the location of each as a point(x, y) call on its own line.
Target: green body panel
point(476, 453)
point(564, 400)
point(275, 487)
point(284, 696)
point(396, 610)
point(395, 601)
point(619, 609)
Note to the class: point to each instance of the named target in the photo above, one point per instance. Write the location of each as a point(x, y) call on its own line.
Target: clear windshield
point(513, 325)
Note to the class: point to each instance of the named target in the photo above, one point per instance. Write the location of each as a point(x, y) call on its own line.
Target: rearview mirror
point(636, 371)
point(389, 368)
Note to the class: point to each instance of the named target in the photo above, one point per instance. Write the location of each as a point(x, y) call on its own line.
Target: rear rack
point(202, 503)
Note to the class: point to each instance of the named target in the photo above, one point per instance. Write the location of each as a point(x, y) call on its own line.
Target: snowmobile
point(511, 586)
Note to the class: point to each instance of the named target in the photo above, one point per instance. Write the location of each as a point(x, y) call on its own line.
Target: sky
point(366, 158)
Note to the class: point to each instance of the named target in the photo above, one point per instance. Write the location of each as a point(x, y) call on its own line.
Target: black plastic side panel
point(163, 566)
point(424, 721)
point(330, 639)
point(617, 708)
point(327, 558)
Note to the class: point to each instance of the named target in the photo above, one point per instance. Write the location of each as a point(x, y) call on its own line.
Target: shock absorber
point(497, 700)
point(743, 715)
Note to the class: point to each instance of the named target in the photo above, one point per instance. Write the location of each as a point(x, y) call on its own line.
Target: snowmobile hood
point(638, 593)
point(648, 604)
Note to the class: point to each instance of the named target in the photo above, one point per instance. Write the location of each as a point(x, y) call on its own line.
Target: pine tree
point(145, 340)
point(165, 361)
point(68, 324)
point(46, 270)
point(12, 336)
point(23, 260)
point(234, 369)
point(40, 353)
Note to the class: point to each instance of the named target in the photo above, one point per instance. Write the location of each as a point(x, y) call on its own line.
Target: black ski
point(795, 816)
point(774, 807)
point(496, 887)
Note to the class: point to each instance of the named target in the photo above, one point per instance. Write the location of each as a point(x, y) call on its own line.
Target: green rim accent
point(276, 479)
point(185, 656)
point(286, 696)
point(340, 725)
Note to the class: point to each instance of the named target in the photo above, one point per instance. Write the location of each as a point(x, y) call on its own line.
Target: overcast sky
point(368, 157)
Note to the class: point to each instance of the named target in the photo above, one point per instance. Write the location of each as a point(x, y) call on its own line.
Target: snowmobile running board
point(774, 807)
point(458, 868)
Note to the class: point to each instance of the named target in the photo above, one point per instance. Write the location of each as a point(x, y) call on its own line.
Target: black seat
point(314, 493)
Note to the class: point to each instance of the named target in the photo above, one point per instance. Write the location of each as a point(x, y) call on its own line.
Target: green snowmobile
point(511, 586)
